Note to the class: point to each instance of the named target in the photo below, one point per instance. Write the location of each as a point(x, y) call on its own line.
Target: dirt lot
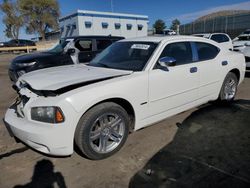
point(208, 148)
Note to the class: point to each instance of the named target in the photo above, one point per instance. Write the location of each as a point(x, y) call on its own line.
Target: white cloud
point(192, 16)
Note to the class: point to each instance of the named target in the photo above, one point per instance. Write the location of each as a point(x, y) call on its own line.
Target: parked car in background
point(1, 44)
point(221, 38)
point(242, 41)
point(132, 84)
point(246, 52)
point(71, 50)
point(169, 32)
point(18, 43)
point(242, 44)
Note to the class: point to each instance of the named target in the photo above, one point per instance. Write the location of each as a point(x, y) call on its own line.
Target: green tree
point(12, 19)
point(159, 26)
point(40, 16)
point(175, 24)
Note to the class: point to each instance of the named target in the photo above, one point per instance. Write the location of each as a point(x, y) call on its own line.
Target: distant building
point(231, 22)
point(103, 23)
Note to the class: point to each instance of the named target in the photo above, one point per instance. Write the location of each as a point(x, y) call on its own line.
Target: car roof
point(210, 34)
point(94, 37)
point(158, 39)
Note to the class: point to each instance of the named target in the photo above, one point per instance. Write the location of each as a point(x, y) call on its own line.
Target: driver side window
point(180, 51)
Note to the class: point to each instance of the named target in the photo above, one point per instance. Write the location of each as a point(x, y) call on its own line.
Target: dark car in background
point(18, 43)
point(71, 50)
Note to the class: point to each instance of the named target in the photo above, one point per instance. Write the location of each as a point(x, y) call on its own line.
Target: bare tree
point(40, 16)
point(12, 19)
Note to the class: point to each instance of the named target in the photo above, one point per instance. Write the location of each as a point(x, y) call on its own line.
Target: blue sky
point(185, 10)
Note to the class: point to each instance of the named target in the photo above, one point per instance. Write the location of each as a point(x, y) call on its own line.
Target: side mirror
point(166, 62)
point(71, 51)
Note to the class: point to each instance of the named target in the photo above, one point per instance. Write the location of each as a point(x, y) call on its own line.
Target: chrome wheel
point(230, 89)
point(106, 133)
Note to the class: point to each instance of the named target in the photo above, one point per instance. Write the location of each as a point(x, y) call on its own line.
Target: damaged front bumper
point(52, 139)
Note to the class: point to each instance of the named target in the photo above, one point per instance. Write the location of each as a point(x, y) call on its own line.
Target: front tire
point(102, 130)
point(229, 88)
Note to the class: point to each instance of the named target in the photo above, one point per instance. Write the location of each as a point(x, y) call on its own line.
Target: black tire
point(86, 123)
point(222, 96)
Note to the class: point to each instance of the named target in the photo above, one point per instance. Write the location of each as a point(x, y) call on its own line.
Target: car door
point(209, 68)
point(177, 86)
point(86, 48)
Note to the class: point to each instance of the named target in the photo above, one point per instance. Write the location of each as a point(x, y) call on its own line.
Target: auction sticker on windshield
point(140, 46)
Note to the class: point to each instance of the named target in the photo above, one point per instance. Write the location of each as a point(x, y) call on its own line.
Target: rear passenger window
point(181, 51)
point(84, 45)
point(206, 51)
point(219, 38)
point(102, 44)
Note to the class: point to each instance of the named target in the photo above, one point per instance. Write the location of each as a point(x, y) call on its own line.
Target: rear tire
point(102, 130)
point(229, 88)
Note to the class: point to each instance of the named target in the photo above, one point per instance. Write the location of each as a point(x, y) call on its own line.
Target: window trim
point(196, 49)
point(172, 42)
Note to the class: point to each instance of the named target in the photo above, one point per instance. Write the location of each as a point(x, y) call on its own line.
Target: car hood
point(56, 78)
point(31, 57)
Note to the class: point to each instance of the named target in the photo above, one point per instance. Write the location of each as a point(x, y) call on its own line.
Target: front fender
point(133, 89)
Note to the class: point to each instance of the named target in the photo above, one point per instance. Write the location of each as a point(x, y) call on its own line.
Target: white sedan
point(132, 84)
point(246, 53)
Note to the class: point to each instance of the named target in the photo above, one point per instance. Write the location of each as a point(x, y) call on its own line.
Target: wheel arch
point(236, 72)
point(123, 103)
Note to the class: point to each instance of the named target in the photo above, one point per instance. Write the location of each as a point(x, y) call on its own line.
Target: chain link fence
point(232, 25)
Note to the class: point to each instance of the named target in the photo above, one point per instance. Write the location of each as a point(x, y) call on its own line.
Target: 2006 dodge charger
point(130, 85)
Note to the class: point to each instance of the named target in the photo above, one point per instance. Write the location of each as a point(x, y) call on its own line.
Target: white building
point(103, 23)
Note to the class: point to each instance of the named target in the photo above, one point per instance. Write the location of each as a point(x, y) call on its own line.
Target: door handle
point(193, 69)
point(224, 63)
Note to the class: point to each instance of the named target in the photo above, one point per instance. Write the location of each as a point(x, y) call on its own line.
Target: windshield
point(242, 38)
point(131, 56)
point(59, 47)
point(246, 32)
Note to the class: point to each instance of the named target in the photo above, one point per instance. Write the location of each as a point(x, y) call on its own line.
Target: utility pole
point(111, 4)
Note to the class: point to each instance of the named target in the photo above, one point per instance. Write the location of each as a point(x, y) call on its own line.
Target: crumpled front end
point(49, 138)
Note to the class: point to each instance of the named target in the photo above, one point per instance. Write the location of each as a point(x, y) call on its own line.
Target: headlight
point(26, 64)
point(48, 114)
